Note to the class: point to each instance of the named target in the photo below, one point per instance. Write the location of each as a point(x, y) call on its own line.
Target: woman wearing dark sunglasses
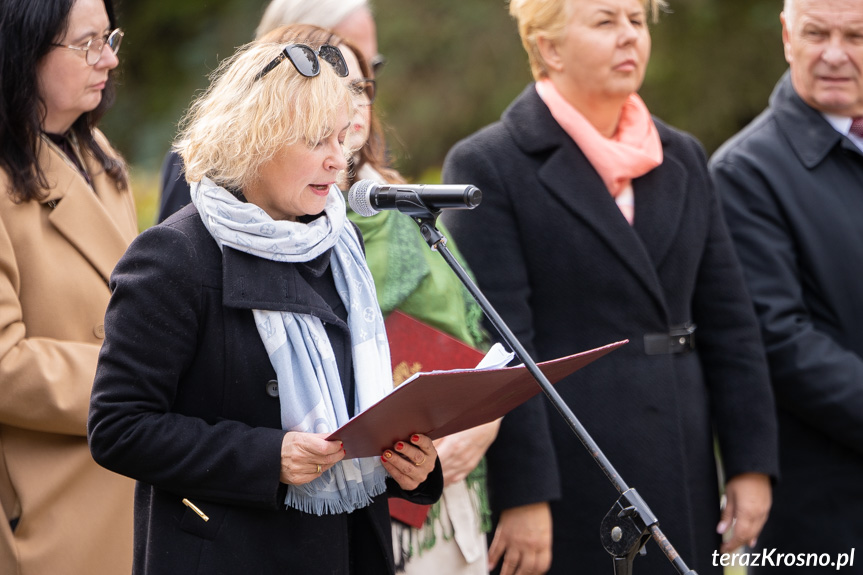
point(66, 216)
point(242, 331)
point(410, 278)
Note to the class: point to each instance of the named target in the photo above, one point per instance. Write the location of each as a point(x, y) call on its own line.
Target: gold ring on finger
point(319, 468)
point(418, 463)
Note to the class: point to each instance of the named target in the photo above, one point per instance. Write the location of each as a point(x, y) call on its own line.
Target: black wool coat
point(185, 401)
point(557, 259)
point(792, 188)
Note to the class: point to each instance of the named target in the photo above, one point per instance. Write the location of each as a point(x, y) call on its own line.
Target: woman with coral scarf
point(599, 223)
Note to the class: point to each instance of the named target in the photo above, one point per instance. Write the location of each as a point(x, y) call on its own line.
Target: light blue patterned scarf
point(297, 344)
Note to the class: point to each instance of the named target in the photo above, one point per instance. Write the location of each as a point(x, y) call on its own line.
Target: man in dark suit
point(792, 187)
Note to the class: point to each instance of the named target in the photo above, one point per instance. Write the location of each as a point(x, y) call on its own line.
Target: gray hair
point(323, 13)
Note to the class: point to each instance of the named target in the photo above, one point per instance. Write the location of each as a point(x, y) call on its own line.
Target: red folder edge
point(440, 403)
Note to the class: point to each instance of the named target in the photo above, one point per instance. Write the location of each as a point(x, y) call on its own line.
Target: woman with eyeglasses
point(243, 331)
point(66, 216)
point(598, 223)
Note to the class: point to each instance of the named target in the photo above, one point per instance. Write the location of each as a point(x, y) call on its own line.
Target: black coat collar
point(809, 134)
point(250, 282)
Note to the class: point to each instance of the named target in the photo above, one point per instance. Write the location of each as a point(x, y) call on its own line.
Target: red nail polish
point(415, 438)
point(400, 446)
point(383, 458)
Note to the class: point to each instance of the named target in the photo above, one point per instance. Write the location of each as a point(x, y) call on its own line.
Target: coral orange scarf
point(633, 151)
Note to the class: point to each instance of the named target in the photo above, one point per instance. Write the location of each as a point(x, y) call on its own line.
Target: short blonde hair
point(240, 123)
point(549, 18)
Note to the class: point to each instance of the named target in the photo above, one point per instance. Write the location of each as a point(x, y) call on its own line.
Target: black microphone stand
point(630, 523)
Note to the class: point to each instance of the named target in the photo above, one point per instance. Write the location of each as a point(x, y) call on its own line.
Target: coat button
point(99, 331)
point(273, 388)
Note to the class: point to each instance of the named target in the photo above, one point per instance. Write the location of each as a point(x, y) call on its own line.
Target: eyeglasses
point(377, 63)
point(363, 89)
point(306, 61)
point(94, 46)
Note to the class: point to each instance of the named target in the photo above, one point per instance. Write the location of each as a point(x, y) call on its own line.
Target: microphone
point(368, 198)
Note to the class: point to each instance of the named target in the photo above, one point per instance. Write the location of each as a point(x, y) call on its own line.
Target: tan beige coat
point(56, 256)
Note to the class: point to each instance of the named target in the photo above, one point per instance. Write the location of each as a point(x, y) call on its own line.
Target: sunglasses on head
point(308, 61)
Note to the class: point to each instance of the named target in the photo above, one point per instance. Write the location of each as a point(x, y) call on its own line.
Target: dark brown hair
point(28, 30)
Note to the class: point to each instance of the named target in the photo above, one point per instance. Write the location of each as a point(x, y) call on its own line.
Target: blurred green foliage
point(714, 65)
point(168, 51)
point(452, 67)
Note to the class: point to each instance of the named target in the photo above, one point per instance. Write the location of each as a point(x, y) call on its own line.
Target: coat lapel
point(571, 179)
point(804, 126)
point(250, 282)
point(82, 216)
point(659, 203)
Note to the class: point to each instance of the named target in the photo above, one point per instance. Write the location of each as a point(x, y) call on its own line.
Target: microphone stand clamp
point(625, 530)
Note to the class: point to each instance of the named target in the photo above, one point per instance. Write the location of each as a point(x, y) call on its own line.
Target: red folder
point(416, 346)
point(440, 403)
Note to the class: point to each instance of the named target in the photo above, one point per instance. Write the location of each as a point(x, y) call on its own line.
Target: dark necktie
point(857, 126)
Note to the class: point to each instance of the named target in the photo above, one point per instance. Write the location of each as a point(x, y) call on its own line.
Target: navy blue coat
point(555, 256)
point(792, 188)
point(184, 402)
